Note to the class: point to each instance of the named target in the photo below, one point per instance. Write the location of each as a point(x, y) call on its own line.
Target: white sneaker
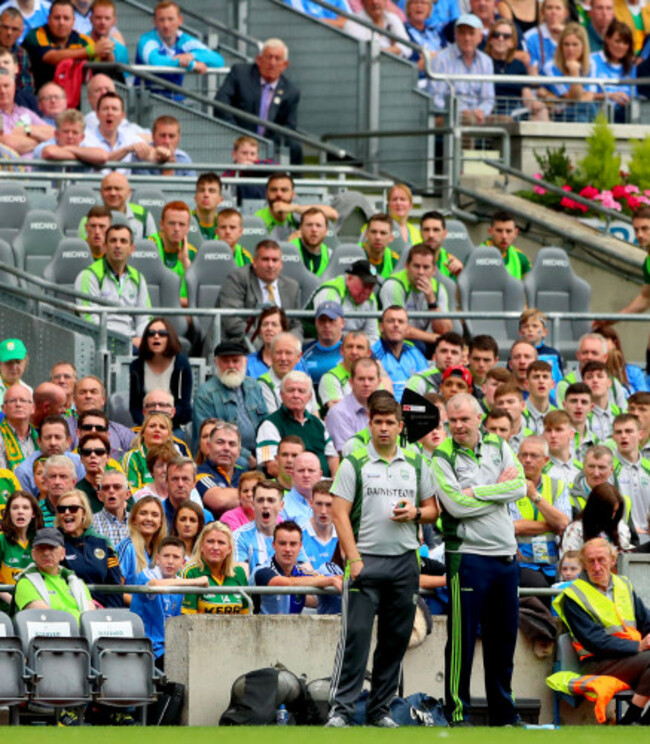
point(384, 722)
point(336, 720)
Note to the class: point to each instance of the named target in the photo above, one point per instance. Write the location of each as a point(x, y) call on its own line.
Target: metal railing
point(279, 130)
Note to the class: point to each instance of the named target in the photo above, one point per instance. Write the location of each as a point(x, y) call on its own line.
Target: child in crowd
point(539, 376)
point(596, 376)
point(568, 570)
point(578, 403)
point(533, 328)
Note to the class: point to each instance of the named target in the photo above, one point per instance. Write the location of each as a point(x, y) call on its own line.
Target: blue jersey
point(411, 360)
point(551, 356)
point(154, 609)
point(153, 51)
point(128, 561)
point(318, 552)
point(319, 359)
point(280, 604)
point(296, 507)
point(540, 45)
point(255, 548)
point(606, 69)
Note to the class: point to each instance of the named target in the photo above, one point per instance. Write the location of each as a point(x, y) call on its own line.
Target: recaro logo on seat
point(151, 203)
point(145, 254)
point(43, 226)
point(12, 199)
point(293, 258)
point(82, 200)
point(348, 260)
point(456, 236)
point(555, 262)
point(216, 257)
point(488, 262)
point(254, 231)
point(74, 254)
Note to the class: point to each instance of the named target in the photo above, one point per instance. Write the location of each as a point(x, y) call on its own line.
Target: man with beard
point(281, 216)
point(231, 396)
point(218, 477)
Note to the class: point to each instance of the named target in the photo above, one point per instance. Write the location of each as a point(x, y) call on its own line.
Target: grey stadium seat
point(552, 286)
point(485, 285)
point(37, 241)
point(343, 257)
point(14, 205)
point(293, 266)
point(13, 689)
point(152, 199)
point(254, 232)
point(58, 656)
point(70, 258)
point(354, 212)
point(73, 206)
point(205, 277)
point(122, 655)
point(195, 236)
point(458, 240)
point(164, 285)
point(7, 257)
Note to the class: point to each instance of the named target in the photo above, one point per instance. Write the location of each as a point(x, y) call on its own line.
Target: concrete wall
point(207, 653)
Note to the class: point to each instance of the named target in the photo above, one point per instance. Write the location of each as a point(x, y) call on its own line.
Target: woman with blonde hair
point(147, 527)
point(156, 429)
point(214, 557)
point(572, 59)
point(89, 555)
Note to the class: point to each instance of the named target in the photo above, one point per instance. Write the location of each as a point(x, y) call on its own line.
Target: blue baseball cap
point(332, 309)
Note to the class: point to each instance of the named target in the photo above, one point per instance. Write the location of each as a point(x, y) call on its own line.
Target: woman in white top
point(160, 365)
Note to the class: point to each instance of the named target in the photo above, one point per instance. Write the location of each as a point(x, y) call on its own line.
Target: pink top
point(234, 518)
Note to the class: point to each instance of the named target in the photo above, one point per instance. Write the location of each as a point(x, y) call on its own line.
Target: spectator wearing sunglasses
point(160, 365)
point(95, 452)
point(89, 555)
point(89, 400)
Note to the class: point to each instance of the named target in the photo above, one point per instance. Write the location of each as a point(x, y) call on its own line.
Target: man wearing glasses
point(18, 436)
point(52, 101)
point(89, 401)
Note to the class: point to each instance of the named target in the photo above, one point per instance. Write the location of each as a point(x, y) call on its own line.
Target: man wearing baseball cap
point(231, 396)
point(463, 57)
point(325, 353)
point(13, 361)
point(46, 584)
point(354, 292)
point(455, 379)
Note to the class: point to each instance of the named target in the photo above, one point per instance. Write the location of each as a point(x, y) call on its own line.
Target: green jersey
point(211, 603)
point(14, 557)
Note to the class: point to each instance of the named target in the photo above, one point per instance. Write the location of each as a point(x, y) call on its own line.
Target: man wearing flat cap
point(463, 57)
point(45, 584)
point(231, 396)
point(354, 292)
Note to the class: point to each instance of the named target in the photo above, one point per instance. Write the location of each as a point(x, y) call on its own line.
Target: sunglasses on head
point(72, 508)
point(87, 451)
point(162, 334)
point(93, 427)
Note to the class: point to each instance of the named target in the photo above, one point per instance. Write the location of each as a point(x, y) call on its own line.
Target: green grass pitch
point(298, 735)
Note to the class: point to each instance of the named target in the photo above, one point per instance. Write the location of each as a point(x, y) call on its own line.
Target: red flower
point(589, 192)
point(633, 202)
point(619, 192)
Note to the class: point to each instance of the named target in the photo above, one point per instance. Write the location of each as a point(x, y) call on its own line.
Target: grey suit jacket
point(242, 290)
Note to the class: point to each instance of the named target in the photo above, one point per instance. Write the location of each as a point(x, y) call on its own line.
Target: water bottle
point(281, 716)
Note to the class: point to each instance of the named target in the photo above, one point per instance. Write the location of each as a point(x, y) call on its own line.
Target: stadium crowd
point(240, 482)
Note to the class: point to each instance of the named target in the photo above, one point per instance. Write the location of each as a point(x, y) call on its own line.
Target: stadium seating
point(37, 241)
point(294, 267)
point(14, 205)
point(57, 656)
point(151, 198)
point(73, 206)
point(458, 241)
point(342, 258)
point(552, 286)
point(13, 675)
point(486, 286)
point(254, 231)
point(70, 258)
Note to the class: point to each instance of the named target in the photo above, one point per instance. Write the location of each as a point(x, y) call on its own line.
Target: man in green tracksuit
point(477, 476)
